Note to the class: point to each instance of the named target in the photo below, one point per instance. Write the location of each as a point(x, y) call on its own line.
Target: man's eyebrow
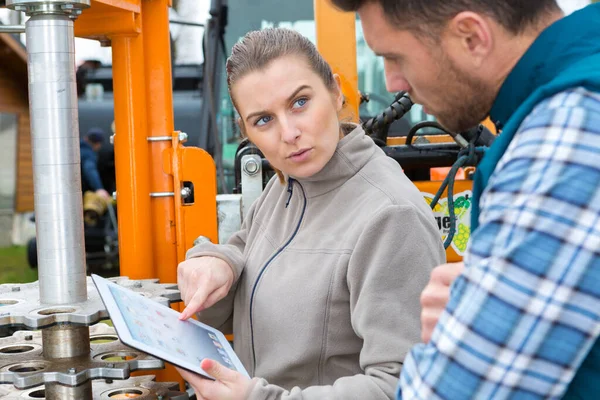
point(389, 55)
point(290, 98)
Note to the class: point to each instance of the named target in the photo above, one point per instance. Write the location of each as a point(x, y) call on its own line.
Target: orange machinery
point(155, 225)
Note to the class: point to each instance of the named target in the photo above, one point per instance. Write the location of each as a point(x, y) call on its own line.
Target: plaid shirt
point(526, 311)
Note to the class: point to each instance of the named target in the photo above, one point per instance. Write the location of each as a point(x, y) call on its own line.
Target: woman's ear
point(240, 124)
point(339, 95)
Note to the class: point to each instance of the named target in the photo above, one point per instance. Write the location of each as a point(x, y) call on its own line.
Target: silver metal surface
point(229, 213)
point(160, 138)
point(12, 28)
point(56, 391)
point(143, 386)
point(183, 137)
point(22, 361)
point(162, 194)
point(252, 182)
point(72, 8)
point(56, 163)
point(20, 303)
point(65, 341)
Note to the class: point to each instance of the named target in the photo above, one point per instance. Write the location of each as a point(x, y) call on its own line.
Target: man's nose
point(395, 80)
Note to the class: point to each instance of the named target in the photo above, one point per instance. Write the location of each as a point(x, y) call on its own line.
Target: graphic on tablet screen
point(147, 324)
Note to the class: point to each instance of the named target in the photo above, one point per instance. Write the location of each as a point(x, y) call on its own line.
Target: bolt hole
point(6, 302)
point(119, 357)
point(16, 349)
point(52, 311)
point(125, 394)
point(38, 394)
point(100, 339)
point(27, 368)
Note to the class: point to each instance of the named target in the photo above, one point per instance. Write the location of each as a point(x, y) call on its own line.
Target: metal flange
point(22, 362)
point(36, 7)
point(142, 387)
point(20, 303)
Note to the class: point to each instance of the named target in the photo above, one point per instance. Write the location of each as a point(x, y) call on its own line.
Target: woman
point(322, 283)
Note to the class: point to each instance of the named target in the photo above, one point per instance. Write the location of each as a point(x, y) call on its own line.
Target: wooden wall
point(14, 100)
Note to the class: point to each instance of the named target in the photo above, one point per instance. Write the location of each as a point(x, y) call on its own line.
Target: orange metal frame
point(153, 231)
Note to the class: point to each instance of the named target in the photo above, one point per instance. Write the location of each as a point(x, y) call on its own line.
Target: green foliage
point(14, 267)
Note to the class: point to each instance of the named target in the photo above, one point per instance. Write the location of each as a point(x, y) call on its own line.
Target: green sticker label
point(462, 211)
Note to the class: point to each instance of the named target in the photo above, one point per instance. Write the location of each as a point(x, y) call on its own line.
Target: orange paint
point(336, 41)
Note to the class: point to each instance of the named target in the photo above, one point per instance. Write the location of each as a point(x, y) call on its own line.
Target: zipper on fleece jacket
point(262, 271)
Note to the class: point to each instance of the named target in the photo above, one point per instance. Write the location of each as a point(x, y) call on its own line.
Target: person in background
point(321, 285)
point(88, 148)
point(521, 318)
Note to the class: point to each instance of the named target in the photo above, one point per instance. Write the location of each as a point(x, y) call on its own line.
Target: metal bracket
point(21, 303)
point(22, 362)
point(141, 387)
point(251, 181)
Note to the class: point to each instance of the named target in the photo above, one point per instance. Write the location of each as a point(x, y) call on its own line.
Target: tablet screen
point(153, 325)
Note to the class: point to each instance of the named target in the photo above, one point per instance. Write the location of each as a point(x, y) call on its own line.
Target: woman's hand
point(202, 282)
point(435, 296)
point(229, 384)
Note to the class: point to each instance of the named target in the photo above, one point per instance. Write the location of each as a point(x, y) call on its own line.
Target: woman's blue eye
point(262, 121)
point(300, 103)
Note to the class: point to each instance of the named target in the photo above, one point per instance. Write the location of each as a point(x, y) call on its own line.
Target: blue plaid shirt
point(526, 310)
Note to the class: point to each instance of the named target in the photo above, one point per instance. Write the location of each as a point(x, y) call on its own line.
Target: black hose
point(378, 126)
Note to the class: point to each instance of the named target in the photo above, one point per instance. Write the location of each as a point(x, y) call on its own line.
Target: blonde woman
point(321, 286)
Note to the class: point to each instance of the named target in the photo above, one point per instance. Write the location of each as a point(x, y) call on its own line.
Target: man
point(523, 316)
point(88, 148)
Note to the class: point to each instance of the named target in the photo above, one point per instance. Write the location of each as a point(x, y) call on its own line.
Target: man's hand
point(229, 384)
point(435, 296)
point(202, 282)
point(104, 194)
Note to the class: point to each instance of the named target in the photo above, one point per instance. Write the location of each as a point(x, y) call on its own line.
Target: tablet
point(155, 329)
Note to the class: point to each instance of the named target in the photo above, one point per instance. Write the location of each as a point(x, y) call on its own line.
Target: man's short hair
point(95, 135)
point(514, 15)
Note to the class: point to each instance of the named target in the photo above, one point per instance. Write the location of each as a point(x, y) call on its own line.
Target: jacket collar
point(352, 153)
point(558, 47)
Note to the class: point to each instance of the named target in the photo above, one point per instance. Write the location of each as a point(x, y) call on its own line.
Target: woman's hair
point(257, 49)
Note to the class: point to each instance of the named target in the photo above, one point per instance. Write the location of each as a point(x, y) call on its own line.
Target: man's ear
point(339, 96)
point(472, 37)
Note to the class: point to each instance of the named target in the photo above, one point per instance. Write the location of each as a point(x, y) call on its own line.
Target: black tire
point(32, 253)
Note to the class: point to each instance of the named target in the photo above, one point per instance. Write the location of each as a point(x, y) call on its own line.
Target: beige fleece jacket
point(328, 275)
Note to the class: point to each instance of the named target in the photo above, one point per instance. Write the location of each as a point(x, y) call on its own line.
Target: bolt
point(112, 137)
point(16, 289)
point(29, 337)
point(137, 285)
point(183, 137)
point(108, 380)
point(72, 370)
point(186, 192)
point(110, 365)
point(251, 167)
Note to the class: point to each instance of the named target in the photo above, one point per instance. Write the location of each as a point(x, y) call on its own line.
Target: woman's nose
point(289, 132)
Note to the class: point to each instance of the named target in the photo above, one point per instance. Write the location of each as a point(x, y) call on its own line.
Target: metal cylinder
point(65, 341)
point(56, 391)
point(56, 162)
point(12, 28)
